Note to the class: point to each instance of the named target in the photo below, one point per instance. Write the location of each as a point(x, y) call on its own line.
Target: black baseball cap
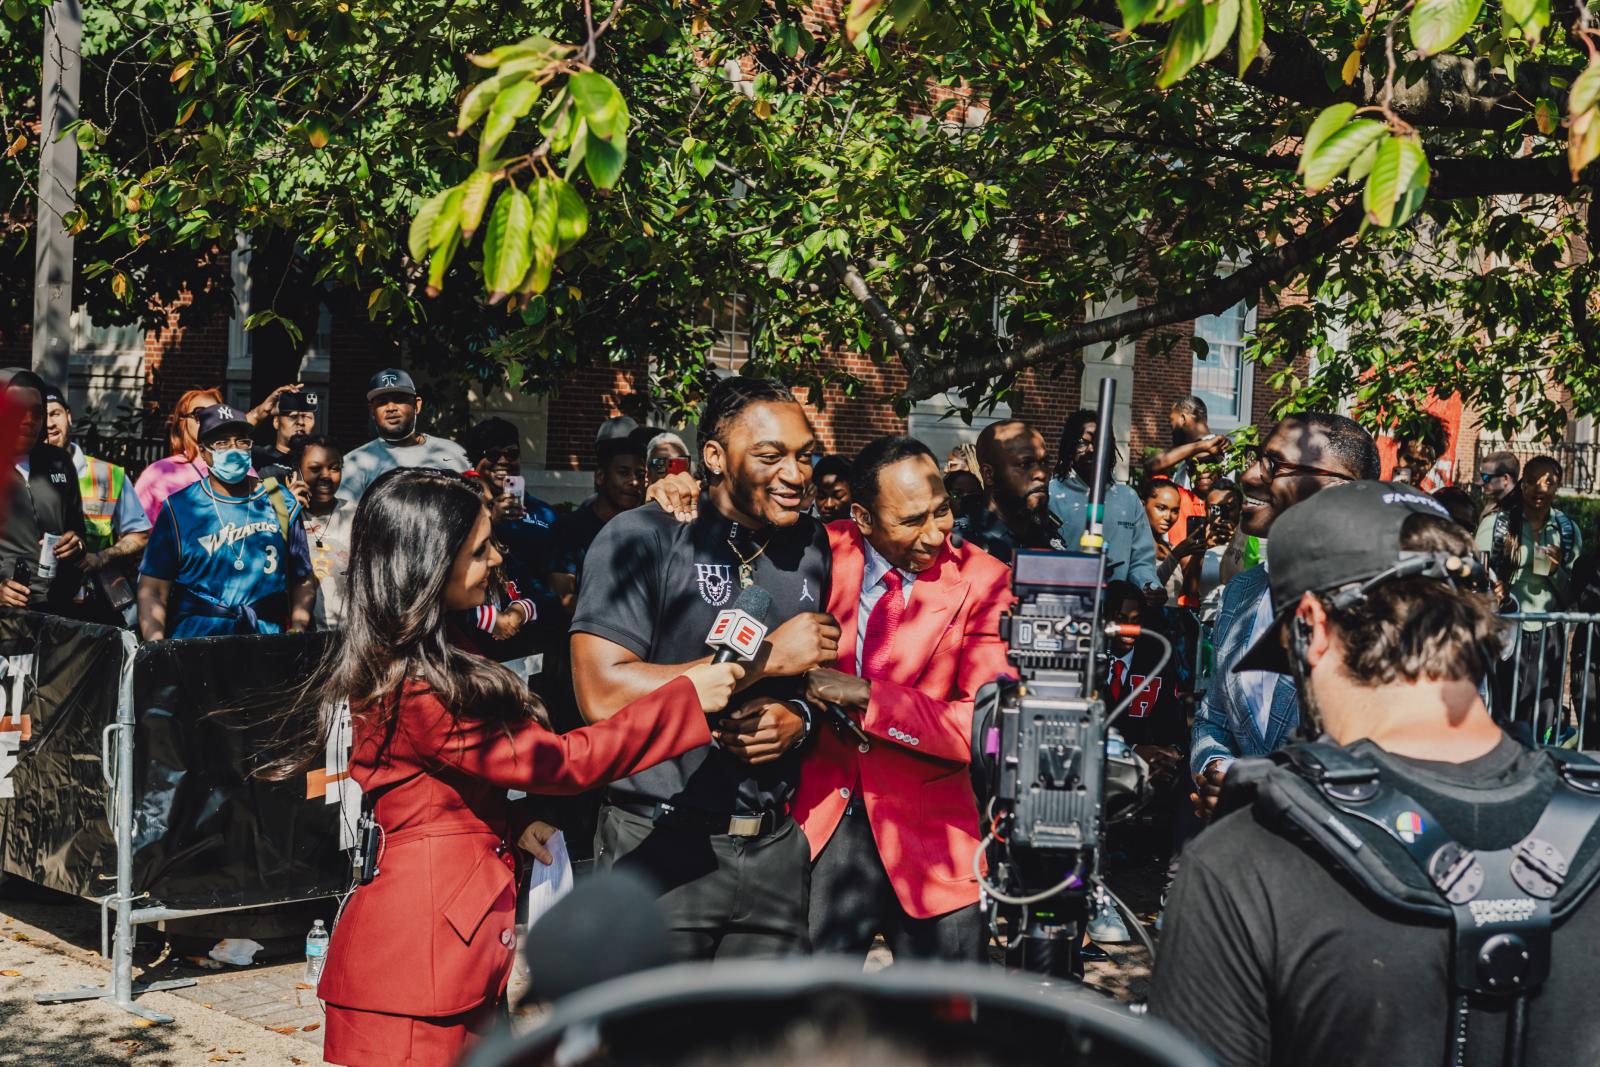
point(1340, 539)
point(53, 394)
point(217, 417)
point(390, 380)
point(291, 403)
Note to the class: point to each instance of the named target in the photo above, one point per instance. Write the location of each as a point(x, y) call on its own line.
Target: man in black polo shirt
point(712, 827)
point(41, 485)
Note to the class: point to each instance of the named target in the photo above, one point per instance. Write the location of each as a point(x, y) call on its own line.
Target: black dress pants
point(724, 897)
point(852, 901)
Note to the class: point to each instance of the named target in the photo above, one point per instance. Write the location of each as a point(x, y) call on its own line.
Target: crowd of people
point(815, 797)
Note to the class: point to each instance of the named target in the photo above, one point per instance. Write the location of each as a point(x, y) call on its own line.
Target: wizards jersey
point(227, 553)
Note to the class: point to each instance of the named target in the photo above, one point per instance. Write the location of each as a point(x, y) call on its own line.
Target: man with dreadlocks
point(712, 828)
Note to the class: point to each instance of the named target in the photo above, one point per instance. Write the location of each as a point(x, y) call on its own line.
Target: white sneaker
point(1107, 927)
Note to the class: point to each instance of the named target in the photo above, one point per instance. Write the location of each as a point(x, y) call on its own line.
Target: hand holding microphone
point(714, 683)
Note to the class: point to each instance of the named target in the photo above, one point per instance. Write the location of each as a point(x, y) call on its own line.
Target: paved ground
point(262, 1014)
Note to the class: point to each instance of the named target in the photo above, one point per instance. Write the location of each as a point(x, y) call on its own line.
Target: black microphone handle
point(725, 654)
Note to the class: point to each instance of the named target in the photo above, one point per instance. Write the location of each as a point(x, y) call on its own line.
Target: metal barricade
point(1549, 671)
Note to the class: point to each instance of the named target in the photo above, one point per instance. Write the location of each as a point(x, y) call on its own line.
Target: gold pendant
point(747, 576)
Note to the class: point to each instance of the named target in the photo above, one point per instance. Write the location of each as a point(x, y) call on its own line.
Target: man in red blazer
point(887, 805)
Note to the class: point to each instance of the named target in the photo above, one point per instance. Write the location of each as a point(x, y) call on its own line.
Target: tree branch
point(1444, 91)
point(878, 312)
point(1276, 265)
point(1581, 284)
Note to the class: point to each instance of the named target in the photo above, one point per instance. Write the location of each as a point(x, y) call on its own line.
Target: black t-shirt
point(654, 586)
point(573, 537)
point(1268, 956)
point(989, 532)
point(47, 502)
point(269, 462)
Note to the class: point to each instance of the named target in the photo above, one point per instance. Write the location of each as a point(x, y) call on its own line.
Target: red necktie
point(1118, 678)
point(877, 651)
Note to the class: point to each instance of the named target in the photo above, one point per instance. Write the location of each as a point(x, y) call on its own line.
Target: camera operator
point(1306, 928)
point(41, 540)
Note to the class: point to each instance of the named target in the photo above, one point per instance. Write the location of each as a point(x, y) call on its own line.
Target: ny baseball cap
point(1343, 541)
point(53, 394)
point(217, 417)
point(391, 380)
point(292, 403)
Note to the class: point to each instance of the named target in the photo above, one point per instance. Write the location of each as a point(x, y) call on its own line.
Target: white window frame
point(728, 334)
point(1245, 371)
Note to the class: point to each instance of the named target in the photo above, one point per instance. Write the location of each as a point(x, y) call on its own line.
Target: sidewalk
point(251, 1016)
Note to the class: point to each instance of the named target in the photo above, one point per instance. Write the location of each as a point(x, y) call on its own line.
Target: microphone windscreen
point(609, 926)
point(756, 602)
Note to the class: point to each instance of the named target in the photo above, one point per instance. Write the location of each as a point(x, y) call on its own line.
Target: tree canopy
point(884, 189)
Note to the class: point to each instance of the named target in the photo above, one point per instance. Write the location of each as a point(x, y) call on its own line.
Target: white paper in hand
point(548, 884)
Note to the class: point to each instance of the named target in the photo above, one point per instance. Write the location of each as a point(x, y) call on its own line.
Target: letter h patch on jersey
point(1141, 708)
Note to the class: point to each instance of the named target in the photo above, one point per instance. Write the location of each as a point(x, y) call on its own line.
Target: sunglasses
point(1278, 468)
point(509, 455)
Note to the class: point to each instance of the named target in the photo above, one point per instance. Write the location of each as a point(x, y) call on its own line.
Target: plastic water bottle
point(316, 952)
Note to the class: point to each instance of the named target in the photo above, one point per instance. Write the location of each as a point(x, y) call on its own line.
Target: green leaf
point(420, 237)
point(1583, 141)
point(860, 15)
point(1251, 30)
point(1331, 119)
point(1339, 151)
point(506, 253)
point(448, 221)
point(1363, 163)
point(603, 160)
point(543, 229)
point(572, 214)
point(511, 105)
point(474, 198)
point(1136, 13)
point(1227, 17)
point(532, 47)
point(600, 103)
point(1527, 17)
point(1191, 33)
point(1585, 91)
point(1438, 24)
point(904, 12)
point(441, 262)
point(1394, 172)
point(482, 95)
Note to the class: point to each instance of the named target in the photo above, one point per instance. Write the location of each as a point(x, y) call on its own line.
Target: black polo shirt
point(654, 586)
point(572, 537)
point(46, 502)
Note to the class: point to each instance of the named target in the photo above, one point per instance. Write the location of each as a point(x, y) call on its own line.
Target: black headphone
point(1458, 571)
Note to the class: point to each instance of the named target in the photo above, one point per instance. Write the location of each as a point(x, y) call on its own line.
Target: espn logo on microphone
point(737, 630)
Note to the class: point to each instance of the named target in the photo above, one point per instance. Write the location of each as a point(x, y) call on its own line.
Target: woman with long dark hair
point(420, 957)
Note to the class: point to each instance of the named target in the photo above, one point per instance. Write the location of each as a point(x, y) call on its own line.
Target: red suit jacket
point(914, 773)
point(432, 934)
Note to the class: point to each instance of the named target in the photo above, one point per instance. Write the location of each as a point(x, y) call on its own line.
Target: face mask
point(232, 465)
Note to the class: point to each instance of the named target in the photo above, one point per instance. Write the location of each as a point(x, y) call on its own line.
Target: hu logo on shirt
point(715, 581)
point(231, 533)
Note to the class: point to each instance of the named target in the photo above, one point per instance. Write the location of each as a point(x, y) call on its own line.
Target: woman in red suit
point(420, 957)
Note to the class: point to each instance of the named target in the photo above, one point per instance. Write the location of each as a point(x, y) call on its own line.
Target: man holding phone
point(41, 542)
point(524, 525)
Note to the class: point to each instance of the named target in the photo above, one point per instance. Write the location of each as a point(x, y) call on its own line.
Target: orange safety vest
point(100, 485)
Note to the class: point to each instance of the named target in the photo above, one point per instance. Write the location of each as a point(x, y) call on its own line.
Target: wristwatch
point(805, 713)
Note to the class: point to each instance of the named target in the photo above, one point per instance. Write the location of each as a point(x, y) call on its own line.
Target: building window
point(1222, 375)
point(729, 315)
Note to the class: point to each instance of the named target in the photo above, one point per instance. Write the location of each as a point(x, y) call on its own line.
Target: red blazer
point(914, 773)
point(432, 934)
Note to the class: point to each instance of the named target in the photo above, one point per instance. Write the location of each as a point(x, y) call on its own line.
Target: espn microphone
point(738, 631)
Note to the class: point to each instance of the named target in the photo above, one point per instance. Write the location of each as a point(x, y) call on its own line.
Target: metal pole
point(58, 183)
point(122, 990)
point(1588, 681)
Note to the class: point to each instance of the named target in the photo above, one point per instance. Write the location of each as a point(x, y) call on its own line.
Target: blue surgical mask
point(232, 465)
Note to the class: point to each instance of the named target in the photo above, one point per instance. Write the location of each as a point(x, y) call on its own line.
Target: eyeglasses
point(1277, 468)
point(228, 442)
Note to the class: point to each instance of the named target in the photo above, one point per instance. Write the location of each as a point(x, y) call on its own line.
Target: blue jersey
point(223, 554)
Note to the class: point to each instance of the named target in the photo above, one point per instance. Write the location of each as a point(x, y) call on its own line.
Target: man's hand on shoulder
point(676, 494)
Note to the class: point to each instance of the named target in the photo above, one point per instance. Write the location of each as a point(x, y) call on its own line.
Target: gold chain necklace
point(747, 567)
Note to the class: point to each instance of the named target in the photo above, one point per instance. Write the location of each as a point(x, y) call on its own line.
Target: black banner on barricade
point(59, 682)
point(207, 835)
